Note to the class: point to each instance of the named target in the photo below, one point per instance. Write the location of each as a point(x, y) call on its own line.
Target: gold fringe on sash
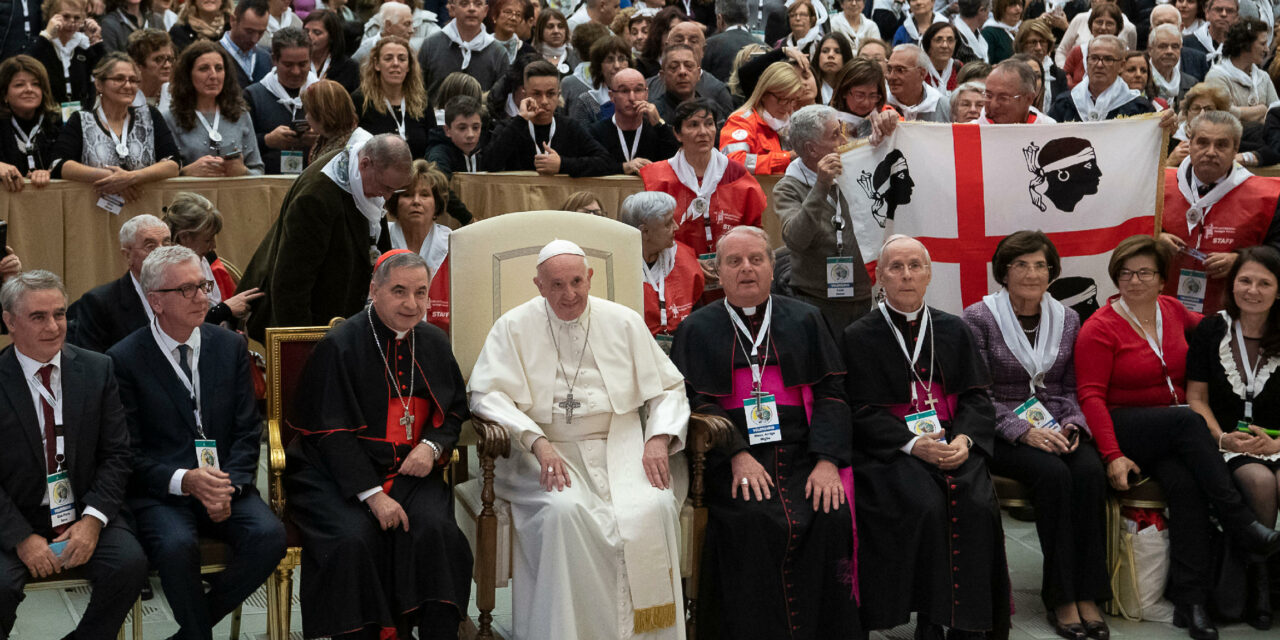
point(654, 618)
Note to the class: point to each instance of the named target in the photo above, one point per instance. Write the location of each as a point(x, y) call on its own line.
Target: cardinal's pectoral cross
point(407, 423)
point(569, 404)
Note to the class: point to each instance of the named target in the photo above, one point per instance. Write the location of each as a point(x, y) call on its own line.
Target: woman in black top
point(1231, 360)
point(392, 98)
point(116, 147)
point(207, 19)
point(329, 58)
point(69, 48)
point(29, 123)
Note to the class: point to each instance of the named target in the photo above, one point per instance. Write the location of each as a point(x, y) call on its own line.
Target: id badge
point(207, 454)
point(1194, 253)
point(69, 108)
point(62, 500)
point(924, 423)
point(712, 257)
point(762, 419)
point(1191, 286)
point(1034, 411)
point(111, 203)
point(291, 163)
point(664, 342)
point(840, 277)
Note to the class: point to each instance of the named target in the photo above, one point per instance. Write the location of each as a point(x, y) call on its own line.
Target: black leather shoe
point(1260, 540)
point(1097, 629)
point(1195, 619)
point(1258, 610)
point(926, 631)
point(1071, 631)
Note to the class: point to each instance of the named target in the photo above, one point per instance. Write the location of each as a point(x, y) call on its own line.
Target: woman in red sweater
point(1131, 375)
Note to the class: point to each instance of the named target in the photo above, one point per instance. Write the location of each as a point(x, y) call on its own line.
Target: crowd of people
point(865, 429)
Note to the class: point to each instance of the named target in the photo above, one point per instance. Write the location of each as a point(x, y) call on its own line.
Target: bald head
point(628, 89)
point(904, 269)
point(397, 19)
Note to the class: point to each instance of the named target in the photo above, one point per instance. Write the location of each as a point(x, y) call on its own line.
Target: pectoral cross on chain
point(569, 404)
point(932, 402)
point(407, 423)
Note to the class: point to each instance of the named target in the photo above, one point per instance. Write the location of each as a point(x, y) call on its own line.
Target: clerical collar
point(911, 317)
point(752, 315)
point(382, 327)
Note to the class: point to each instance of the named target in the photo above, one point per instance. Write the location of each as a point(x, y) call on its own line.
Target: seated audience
point(275, 104)
point(829, 57)
point(421, 24)
point(504, 98)
point(330, 115)
point(1010, 95)
point(462, 45)
point(116, 147)
point(923, 435)
point(551, 41)
point(919, 18)
point(1200, 98)
point(1239, 70)
point(806, 31)
point(279, 16)
point(455, 84)
point(123, 17)
point(208, 116)
point(1230, 358)
point(753, 134)
point(1192, 13)
point(393, 18)
point(673, 279)
point(859, 95)
point(195, 224)
point(1104, 20)
point(968, 102)
point(507, 17)
point(201, 20)
point(817, 222)
point(461, 149)
point(774, 490)
point(1077, 32)
point(1001, 29)
point(636, 135)
point(87, 526)
point(329, 59)
point(69, 48)
point(579, 79)
point(1136, 73)
point(743, 64)
point(29, 124)
point(609, 55)
point(909, 94)
point(1171, 79)
point(152, 51)
point(1133, 400)
point(412, 224)
point(1102, 94)
point(649, 62)
point(366, 475)
point(1042, 440)
point(1035, 40)
point(548, 143)
point(635, 29)
point(584, 202)
point(939, 43)
point(722, 47)
point(248, 23)
point(194, 463)
point(391, 98)
point(697, 83)
point(713, 193)
point(107, 313)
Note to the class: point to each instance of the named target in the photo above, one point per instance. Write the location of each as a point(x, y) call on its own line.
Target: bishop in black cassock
point(777, 567)
point(931, 537)
point(379, 397)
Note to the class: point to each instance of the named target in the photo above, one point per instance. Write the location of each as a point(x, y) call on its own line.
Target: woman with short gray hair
point(673, 279)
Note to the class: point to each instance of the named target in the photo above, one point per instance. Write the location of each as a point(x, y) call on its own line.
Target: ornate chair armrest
point(275, 481)
point(492, 439)
point(707, 431)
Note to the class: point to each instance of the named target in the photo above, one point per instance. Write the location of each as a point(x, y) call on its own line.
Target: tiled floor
point(49, 615)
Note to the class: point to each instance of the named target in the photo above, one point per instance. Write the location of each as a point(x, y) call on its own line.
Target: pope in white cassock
point(595, 411)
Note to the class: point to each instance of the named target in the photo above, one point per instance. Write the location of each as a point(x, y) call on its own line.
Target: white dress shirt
point(169, 347)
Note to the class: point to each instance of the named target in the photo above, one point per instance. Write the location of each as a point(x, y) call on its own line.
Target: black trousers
point(117, 570)
point(1069, 495)
point(1173, 446)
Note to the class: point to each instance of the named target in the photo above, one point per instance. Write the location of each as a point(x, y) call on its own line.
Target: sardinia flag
point(961, 188)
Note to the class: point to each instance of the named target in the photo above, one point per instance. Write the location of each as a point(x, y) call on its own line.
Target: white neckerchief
point(404, 116)
point(777, 124)
point(1250, 81)
point(1117, 95)
point(927, 103)
point(323, 68)
point(1037, 359)
point(532, 136)
point(26, 140)
point(1011, 30)
point(808, 39)
point(434, 249)
point(169, 347)
point(549, 51)
point(1046, 71)
point(1168, 89)
point(913, 32)
point(122, 148)
point(976, 43)
point(272, 83)
point(1200, 206)
point(511, 46)
point(274, 24)
point(701, 191)
point(622, 140)
point(212, 130)
point(942, 77)
point(1156, 343)
point(477, 43)
point(801, 172)
point(754, 358)
point(246, 59)
point(583, 73)
point(912, 357)
point(1213, 51)
point(344, 170)
point(512, 109)
point(656, 277)
point(599, 94)
point(827, 91)
point(1190, 29)
point(1250, 371)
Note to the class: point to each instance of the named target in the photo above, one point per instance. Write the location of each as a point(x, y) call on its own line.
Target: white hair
point(387, 10)
point(646, 207)
point(922, 58)
point(159, 261)
point(809, 124)
point(1171, 10)
point(1164, 29)
point(17, 287)
point(129, 230)
point(1114, 41)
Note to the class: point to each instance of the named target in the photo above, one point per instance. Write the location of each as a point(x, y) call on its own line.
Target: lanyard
point(26, 142)
point(1250, 371)
point(26, 15)
point(552, 134)
point(213, 132)
point(34, 382)
point(186, 382)
point(324, 67)
point(912, 357)
point(754, 357)
point(404, 116)
point(659, 285)
point(837, 222)
point(622, 140)
point(1156, 344)
point(122, 149)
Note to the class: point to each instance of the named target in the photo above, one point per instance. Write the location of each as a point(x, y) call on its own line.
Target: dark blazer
point(105, 314)
point(1194, 62)
point(96, 437)
point(267, 113)
point(1063, 108)
point(162, 426)
point(722, 48)
point(82, 63)
point(260, 68)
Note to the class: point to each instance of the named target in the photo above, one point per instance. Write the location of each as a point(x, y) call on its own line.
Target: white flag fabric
point(961, 188)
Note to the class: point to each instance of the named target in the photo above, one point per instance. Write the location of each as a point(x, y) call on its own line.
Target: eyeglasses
point(513, 14)
point(915, 267)
point(863, 96)
point(123, 79)
point(163, 60)
point(188, 290)
point(1022, 266)
point(1144, 275)
point(1096, 59)
point(1002, 98)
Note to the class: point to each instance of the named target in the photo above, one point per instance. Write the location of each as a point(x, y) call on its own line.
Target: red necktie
point(50, 437)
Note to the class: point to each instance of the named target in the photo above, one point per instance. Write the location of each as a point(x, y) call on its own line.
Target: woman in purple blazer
point(1044, 443)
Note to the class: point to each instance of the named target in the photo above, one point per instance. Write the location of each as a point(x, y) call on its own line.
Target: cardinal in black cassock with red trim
point(774, 565)
point(931, 538)
point(379, 407)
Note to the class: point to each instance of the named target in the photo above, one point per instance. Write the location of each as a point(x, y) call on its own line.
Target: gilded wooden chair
point(494, 261)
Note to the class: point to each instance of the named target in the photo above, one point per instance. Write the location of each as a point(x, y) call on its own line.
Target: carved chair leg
point(486, 548)
point(284, 601)
point(235, 623)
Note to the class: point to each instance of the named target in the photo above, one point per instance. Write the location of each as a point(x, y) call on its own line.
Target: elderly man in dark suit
point(107, 313)
point(731, 19)
point(63, 428)
point(195, 428)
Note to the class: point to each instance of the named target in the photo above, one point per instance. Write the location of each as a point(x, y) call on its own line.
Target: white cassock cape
point(601, 559)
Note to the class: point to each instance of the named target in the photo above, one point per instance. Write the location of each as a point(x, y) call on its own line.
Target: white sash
point(1200, 205)
point(1011, 30)
point(1038, 359)
point(477, 43)
point(1206, 40)
point(1117, 95)
point(1248, 81)
point(26, 140)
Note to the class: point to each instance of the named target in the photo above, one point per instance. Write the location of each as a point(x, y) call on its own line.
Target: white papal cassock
point(600, 559)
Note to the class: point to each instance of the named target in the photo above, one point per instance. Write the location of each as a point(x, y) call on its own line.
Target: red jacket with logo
point(737, 200)
point(682, 288)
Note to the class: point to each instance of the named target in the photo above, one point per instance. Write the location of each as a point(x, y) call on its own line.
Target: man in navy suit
point(195, 430)
point(60, 414)
point(107, 313)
